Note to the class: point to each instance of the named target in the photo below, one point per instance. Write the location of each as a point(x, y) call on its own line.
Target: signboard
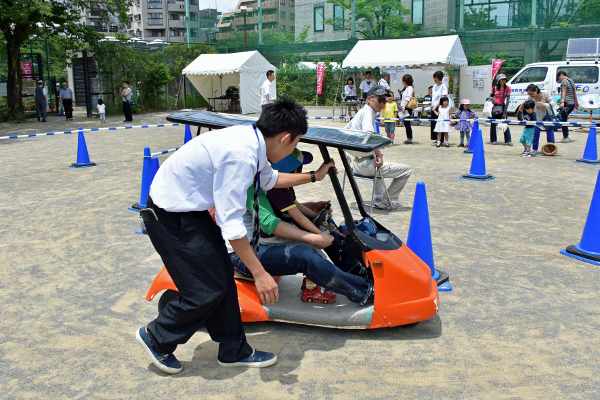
point(495, 67)
point(27, 70)
point(320, 73)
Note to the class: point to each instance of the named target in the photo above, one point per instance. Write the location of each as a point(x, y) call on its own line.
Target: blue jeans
point(568, 109)
point(292, 259)
point(536, 136)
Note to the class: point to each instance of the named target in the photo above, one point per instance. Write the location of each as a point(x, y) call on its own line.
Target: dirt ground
point(521, 322)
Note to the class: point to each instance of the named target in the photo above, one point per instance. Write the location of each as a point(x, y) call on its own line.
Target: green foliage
point(510, 66)
point(378, 19)
point(272, 37)
point(477, 17)
point(152, 77)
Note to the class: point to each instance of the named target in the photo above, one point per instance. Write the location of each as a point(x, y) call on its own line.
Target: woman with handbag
point(500, 97)
point(408, 104)
point(544, 110)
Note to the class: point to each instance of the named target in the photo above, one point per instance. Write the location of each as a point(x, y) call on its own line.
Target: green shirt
point(267, 219)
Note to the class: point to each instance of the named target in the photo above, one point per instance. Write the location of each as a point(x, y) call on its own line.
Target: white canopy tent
point(416, 52)
point(212, 74)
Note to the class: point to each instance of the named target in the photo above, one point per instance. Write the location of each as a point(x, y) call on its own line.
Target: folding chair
point(367, 178)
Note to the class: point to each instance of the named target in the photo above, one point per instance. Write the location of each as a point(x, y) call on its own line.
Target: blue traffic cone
point(419, 237)
point(146, 180)
point(590, 154)
point(478, 163)
point(62, 111)
point(153, 170)
point(188, 134)
point(83, 157)
point(476, 131)
point(588, 249)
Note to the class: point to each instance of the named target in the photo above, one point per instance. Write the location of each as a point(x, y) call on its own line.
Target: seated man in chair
point(365, 164)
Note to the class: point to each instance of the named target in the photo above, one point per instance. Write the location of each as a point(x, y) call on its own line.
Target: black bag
point(131, 103)
point(499, 109)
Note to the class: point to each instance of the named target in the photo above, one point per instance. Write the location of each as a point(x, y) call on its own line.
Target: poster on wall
point(27, 70)
point(483, 73)
point(475, 73)
point(481, 83)
point(394, 78)
point(468, 71)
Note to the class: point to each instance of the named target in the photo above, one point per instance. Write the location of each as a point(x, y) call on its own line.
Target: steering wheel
point(321, 217)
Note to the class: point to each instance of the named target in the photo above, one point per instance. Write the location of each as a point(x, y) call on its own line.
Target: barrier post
point(146, 177)
point(83, 157)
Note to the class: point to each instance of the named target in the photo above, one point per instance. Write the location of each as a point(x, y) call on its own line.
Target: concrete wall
point(305, 16)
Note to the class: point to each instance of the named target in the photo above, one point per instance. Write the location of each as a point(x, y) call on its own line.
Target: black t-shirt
point(281, 199)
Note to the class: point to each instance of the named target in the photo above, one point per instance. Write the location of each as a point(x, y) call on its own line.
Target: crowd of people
point(441, 108)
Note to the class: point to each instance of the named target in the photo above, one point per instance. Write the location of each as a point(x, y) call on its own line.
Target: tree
point(478, 17)
point(377, 19)
point(21, 20)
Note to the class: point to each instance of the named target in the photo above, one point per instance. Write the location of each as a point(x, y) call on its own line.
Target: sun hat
point(501, 76)
point(293, 161)
point(465, 101)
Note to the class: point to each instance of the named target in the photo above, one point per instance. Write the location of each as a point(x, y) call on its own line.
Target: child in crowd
point(443, 124)
point(528, 132)
point(390, 111)
point(101, 110)
point(351, 94)
point(464, 112)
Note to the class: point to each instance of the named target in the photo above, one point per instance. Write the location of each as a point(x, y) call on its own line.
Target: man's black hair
point(430, 87)
point(270, 72)
point(529, 104)
point(127, 82)
point(439, 75)
point(283, 115)
point(368, 72)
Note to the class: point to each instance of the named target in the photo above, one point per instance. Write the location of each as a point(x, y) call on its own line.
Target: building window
point(155, 19)
point(418, 9)
point(154, 3)
point(338, 16)
point(293, 16)
point(193, 31)
point(193, 16)
point(293, 28)
point(154, 33)
point(174, 17)
point(176, 33)
point(283, 27)
point(193, 2)
point(283, 14)
point(292, 2)
point(319, 17)
point(283, 2)
point(138, 17)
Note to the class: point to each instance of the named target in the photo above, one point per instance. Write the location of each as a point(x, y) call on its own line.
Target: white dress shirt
point(383, 83)
point(214, 169)
point(265, 90)
point(363, 121)
point(437, 92)
point(366, 85)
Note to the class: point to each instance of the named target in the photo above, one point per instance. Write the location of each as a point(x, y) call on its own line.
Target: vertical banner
point(320, 73)
point(27, 70)
point(495, 67)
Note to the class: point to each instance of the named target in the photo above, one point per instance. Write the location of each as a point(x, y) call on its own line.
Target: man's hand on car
point(266, 287)
point(322, 240)
point(323, 169)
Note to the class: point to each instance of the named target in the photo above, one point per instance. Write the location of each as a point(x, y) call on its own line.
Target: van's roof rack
point(588, 48)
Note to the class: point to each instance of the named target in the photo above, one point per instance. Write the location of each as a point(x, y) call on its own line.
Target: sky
point(221, 5)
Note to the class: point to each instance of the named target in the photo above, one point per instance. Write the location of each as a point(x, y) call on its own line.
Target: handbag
point(487, 109)
point(552, 118)
point(413, 103)
point(131, 102)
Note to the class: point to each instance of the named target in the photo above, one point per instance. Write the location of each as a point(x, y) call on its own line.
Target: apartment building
point(165, 20)
point(94, 18)
point(276, 15)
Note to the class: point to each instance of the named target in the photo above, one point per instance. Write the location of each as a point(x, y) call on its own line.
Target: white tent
point(212, 74)
point(438, 50)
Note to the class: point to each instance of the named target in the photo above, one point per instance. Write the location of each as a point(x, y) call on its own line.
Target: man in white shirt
point(215, 170)
point(365, 164)
point(267, 94)
point(384, 82)
point(366, 85)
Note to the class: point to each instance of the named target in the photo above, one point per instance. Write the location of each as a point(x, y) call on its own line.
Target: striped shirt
point(570, 93)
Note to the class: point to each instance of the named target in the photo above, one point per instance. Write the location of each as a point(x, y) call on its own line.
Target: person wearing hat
point(214, 170)
point(500, 97)
point(464, 127)
point(285, 249)
point(365, 164)
point(41, 100)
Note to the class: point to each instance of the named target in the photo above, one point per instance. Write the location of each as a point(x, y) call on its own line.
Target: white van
point(543, 74)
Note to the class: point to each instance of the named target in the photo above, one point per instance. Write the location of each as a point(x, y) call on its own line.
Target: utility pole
point(353, 19)
point(260, 31)
point(187, 23)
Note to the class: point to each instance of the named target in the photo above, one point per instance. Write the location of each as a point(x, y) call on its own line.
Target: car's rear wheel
point(167, 297)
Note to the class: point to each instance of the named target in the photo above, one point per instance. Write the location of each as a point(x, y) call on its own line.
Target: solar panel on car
point(319, 135)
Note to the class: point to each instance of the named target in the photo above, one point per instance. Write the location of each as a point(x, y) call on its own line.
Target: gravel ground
point(521, 322)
